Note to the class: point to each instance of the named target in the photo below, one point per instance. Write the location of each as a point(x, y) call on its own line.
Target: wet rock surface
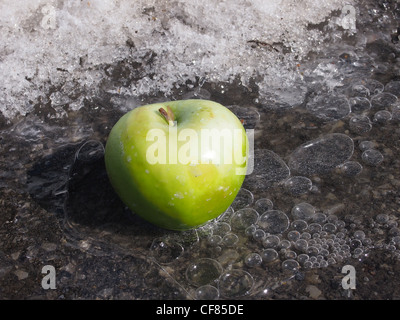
point(324, 193)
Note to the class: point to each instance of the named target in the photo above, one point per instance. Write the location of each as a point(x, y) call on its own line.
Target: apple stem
point(168, 115)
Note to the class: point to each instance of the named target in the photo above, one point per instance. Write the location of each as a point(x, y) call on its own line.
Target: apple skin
point(173, 196)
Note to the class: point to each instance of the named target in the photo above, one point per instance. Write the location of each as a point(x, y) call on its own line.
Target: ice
point(153, 46)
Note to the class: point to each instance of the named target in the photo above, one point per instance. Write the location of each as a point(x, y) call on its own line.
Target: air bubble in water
point(290, 254)
point(382, 116)
point(258, 235)
point(235, 283)
point(271, 241)
point(273, 221)
point(321, 155)
point(319, 217)
point(359, 234)
point(329, 107)
point(221, 228)
point(360, 124)
point(298, 185)
point(301, 244)
point(351, 168)
point(314, 227)
point(230, 240)
point(382, 218)
point(243, 199)
point(263, 205)
point(396, 113)
point(293, 235)
point(269, 255)
point(303, 211)
point(165, 251)
point(302, 258)
point(290, 265)
point(285, 244)
point(372, 157)
point(329, 227)
point(383, 100)
point(253, 259)
point(203, 272)
point(365, 145)
point(250, 230)
point(299, 225)
point(244, 218)
point(359, 90)
point(215, 240)
point(269, 169)
point(373, 86)
point(359, 104)
point(393, 87)
point(207, 292)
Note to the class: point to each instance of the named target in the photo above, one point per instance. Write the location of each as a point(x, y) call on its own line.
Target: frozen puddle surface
point(321, 96)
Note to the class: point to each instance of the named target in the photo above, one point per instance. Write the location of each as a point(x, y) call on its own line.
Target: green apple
point(177, 164)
